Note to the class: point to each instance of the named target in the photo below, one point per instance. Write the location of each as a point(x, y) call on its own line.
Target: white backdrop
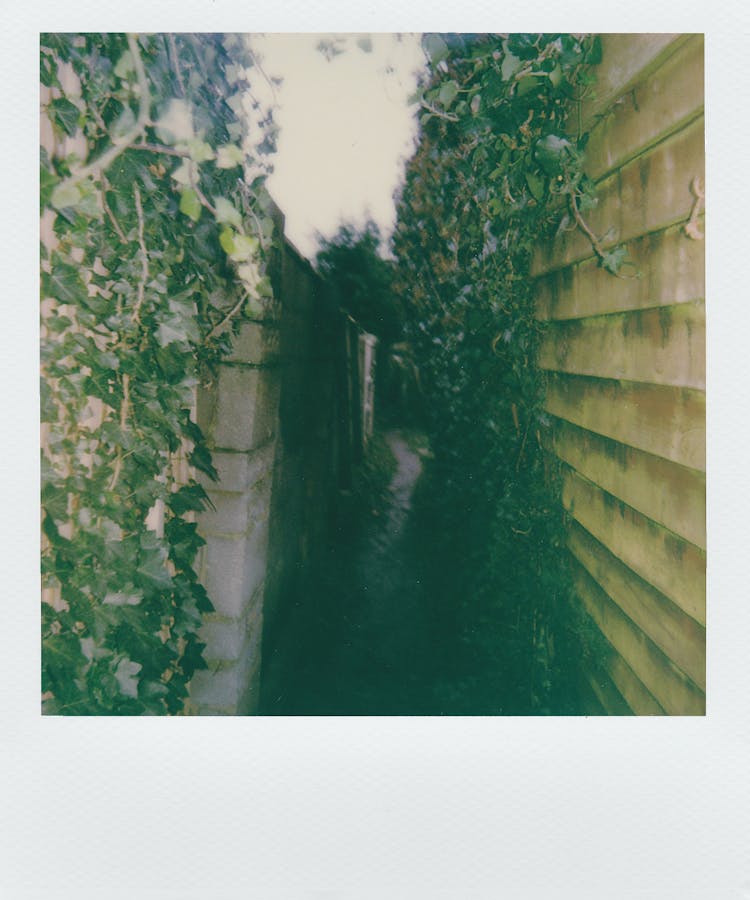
point(394, 809)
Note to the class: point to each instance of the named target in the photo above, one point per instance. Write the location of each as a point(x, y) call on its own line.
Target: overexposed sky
point(346, 128)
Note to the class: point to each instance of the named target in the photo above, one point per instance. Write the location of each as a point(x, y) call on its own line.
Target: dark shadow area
point(363, 642)
point(384, 624)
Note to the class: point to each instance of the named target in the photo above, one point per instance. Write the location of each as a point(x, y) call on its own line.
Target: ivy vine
point(156, 228)
point(498, 168)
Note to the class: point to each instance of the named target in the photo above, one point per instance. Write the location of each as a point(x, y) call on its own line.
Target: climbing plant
point(156, 228)
point(358, 279)
point(498, 168)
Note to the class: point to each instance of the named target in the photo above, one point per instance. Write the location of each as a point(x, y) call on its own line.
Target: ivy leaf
point(226, 239)
point(435, 47)
point(228, 156)
point(125, 65)
point(63, 282)
point(551, 152)
point(613, 260)
point(130, 596)
point(200, 151)
point(64, 114)
point(526, 85)
point(595, 51)
point(123, 126)
point(148, 689)
point(65, 195)
point(62, 658)
point(172, 330)
point(190, 205)
point(536, 185)
point(189, 498)
point(200, 458)
point(152, 569)
point(192, 659)
point(244, 247)
point(227, 214)
point(47, 183)
point(448, 93)
point(176, 123)
point(510, 65)
point(186, 173)
point(555, 76)
point(126, 676)
point(48, 70)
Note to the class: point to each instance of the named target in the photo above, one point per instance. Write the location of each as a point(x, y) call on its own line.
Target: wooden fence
point(625, 359)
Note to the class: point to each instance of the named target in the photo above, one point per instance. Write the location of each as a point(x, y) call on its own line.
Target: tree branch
point(159, 148)
point(227, 318)
point(144, 255)
point(124, 413)
point(102, 162)
point(436, 112)
point(176, 63)
point(581, 222)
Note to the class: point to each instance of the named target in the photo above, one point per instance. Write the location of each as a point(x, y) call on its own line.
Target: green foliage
point(359, 280)
point(494, 173)
point(140, 294)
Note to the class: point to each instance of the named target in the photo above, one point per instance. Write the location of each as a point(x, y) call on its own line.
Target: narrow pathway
point(367, 652)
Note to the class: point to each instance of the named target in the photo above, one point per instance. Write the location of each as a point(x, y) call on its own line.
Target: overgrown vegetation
point(360, 281)
point(156, 228)
point(368, 494)
point(498, 168)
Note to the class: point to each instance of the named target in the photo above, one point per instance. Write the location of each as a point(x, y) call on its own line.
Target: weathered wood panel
point(661, 346)
point(612, 688)
point(627, 59)
point(663, 104)
point(674, 567)
point(631, 688)
point(607, 695)
point(672, 690)
point(672, 270)
point(678, 635)
point(662, 420)
point(625, 361)
point(650, 193)
point(679, 504)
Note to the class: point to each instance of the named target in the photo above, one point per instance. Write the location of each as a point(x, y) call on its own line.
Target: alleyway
point(366, 648)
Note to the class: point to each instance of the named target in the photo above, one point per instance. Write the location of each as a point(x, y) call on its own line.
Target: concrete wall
point(626, 378)
point(270, 420)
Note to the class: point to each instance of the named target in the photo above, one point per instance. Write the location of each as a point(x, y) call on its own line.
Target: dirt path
point(368, 651)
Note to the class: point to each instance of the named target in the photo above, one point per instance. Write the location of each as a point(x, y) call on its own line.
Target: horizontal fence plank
point(670, 494)
point(626, 60)
point(638, 698)
point(674, 567)
point(659, 346)
point(613, 684)
point(665, 421)
point(677, 635)
point(649, 194)
point(676, 694)
point(599, 682)
point(589, 701)
point(656, 106)
point(672, 269)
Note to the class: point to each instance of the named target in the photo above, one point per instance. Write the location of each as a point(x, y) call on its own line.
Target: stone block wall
point(270, 420)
